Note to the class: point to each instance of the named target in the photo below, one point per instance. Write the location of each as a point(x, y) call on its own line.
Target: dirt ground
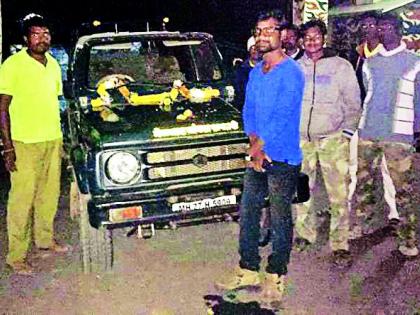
point(173, 272)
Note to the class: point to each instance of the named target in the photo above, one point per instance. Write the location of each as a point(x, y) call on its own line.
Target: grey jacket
point(331, 101)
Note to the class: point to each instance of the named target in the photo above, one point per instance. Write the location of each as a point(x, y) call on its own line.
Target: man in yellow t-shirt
point(30, 83)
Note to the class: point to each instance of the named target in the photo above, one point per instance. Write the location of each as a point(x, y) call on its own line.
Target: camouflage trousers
point(332, 156)
point(391, 165)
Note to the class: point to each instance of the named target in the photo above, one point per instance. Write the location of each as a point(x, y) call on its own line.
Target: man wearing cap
point(242, 72)
point(30, 83)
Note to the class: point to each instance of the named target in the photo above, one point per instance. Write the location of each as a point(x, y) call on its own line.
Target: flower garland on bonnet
point(178, 92)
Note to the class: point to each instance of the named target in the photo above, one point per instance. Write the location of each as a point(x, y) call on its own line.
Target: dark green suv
point(153, 135)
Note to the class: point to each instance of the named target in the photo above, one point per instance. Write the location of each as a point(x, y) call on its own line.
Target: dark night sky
point(226, 19)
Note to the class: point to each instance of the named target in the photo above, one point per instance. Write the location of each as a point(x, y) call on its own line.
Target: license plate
point(204, 204)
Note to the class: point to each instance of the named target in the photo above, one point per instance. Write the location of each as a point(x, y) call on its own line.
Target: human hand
point(259, 161)
point(9, 158)
point(256, 145)
point(256, 154)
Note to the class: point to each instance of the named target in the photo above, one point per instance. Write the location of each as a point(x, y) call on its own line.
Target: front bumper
point(156, 205)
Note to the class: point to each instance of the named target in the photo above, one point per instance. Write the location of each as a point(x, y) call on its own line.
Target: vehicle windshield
point(156, 61)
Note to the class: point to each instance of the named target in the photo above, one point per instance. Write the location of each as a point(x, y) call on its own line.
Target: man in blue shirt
point(271, 117)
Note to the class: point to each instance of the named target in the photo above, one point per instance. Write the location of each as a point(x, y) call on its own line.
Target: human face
point(388, 32)
point(254, 55)
point(267, 36)
point(38, 40)
point(290, 40)
point(313, 40)
point(367, 28)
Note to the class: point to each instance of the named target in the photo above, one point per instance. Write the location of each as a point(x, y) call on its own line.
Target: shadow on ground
point(361, 245)
point(219, 306)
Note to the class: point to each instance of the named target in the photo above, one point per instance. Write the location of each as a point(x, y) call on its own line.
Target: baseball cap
point(250, 43)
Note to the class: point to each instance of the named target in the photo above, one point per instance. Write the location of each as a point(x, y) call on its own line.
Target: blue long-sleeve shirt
point(272, 109)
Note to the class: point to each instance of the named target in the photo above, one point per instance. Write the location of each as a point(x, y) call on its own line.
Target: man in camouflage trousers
point(330, 113)
point(389, 127)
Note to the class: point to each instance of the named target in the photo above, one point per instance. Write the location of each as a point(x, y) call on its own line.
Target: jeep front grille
point(195, 161)
point(188, 154)
point(192, 169)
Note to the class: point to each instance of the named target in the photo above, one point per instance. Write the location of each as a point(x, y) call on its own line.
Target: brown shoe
point(301, 244)
point(273, 287)
point(21, 268)
point(56, 248)
point(341, 258)
point(394, 222)
point(408, 251)
point(240, 279)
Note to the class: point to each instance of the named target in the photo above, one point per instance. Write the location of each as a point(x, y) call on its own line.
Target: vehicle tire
point(96, 244)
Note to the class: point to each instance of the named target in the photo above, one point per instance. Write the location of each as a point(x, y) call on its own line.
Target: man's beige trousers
point(33, 197)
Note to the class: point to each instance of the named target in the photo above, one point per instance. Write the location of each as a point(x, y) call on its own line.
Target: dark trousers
point(279, 183)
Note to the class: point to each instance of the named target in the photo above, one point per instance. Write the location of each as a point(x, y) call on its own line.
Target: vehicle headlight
point(122, 167)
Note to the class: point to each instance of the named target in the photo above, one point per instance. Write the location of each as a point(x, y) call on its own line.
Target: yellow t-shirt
point(34, 109)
